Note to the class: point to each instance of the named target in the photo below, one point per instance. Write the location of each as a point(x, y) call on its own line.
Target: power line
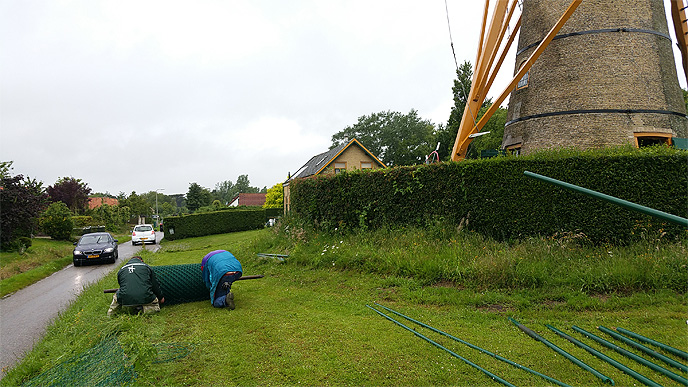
point(451, 41)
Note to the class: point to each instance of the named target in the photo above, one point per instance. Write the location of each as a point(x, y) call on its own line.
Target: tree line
point(395, 138)
point(406, 139)
point(28, 208)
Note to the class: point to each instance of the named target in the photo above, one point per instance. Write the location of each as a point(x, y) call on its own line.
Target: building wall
point(353, 156)
point(630, 70)
point(287, 198)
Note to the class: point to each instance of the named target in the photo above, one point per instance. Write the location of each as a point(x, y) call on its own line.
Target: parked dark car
point(97, 247)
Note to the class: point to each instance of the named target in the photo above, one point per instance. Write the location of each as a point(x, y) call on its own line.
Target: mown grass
point(306, 322)
point(43, 258)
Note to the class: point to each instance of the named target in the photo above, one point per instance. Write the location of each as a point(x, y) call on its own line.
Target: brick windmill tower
point(588, 74)
point(607, 78)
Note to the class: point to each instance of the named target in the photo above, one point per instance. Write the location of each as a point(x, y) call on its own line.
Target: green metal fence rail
point(623, 203)
point(500, 358)
point(644, 349)
point(641, 378)
point(644, 339)
point(563, 353)
point(632, 355)
point(486, 372)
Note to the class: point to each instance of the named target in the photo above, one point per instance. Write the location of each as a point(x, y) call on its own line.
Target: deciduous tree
point(72, 192)
point(21, 202)
point(274, 198)
point(226, 190)
point(138, 206)
point(393, 137)
point(495, 125)
point(197, 197)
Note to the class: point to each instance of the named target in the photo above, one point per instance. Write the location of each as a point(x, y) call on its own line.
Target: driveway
point(25, 315)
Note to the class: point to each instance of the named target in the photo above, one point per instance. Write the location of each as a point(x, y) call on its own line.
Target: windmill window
point(649, 139)
point(514, 149)
point(523, 83)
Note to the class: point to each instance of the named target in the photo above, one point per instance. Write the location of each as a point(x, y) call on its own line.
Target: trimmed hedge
point(218, 222)
point(494, 197)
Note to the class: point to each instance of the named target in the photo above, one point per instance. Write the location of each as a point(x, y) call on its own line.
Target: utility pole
point(157, 214)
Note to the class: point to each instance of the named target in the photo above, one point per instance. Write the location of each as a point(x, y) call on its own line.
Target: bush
point(57, 221)
point(218, 222)
point(20, 244)
point(495, 199)
point(83, 221)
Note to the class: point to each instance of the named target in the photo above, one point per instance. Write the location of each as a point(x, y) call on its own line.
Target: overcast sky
point(145, 95)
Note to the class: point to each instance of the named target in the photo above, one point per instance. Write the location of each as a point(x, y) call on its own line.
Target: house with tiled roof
point(97, 202)
point(349, 156)
point(248, 199)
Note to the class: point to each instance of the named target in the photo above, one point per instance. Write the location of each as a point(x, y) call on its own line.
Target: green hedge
point(219, 222)
point(275, 212)
point(494, 198)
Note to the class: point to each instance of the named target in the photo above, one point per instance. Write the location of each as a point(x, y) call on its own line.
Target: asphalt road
point(25, 315)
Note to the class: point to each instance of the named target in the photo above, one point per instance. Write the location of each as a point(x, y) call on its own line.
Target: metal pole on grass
point(606, 358)
point(623, 203)
point(665, 347)
point(644, 349)
point(632, 355)
point(549, 378)
point(486, 372)
point(563, 353)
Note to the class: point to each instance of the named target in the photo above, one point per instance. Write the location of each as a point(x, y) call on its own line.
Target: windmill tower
point(608, 78)
point(588, 74)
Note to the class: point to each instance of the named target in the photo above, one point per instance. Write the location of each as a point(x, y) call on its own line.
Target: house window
point(339, 168)
point(365, 165)
point(649, 139)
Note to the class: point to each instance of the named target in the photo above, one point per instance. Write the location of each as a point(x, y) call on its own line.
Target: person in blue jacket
point(220, 269)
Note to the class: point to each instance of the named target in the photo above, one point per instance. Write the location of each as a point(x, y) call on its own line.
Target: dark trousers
point(220, 292)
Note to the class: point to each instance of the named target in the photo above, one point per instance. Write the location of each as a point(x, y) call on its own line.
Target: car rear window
point(143, 228)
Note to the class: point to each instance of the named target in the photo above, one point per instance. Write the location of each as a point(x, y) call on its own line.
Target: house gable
point(350, 156)
point(352, 153)
point(248, 199)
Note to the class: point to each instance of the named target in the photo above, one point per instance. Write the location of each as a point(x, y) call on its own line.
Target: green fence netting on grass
point(105, 364)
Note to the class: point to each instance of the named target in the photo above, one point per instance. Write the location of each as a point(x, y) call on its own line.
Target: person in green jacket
point(138, 288)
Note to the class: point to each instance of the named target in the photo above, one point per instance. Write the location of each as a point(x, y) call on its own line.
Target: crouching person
point(139, 289)
point(220, 269)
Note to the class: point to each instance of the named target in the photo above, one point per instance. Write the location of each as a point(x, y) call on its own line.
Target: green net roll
point(181, 283)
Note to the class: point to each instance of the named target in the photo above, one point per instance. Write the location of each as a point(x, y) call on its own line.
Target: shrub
point(494, 198)
point(20, 244)
point(218, 222)
point(57, 221)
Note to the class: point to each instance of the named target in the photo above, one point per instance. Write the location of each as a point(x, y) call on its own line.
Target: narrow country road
point(25, 315)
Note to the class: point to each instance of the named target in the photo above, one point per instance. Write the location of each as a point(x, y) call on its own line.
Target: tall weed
point(469, 260)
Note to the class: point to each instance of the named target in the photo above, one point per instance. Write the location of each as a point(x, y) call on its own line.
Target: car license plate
point(94, 256)
point(143, 239)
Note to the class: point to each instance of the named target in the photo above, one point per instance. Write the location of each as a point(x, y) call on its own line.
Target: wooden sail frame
point(484, 74)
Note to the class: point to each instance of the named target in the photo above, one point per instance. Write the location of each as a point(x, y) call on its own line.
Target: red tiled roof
point(97, 202)
point(249, 199)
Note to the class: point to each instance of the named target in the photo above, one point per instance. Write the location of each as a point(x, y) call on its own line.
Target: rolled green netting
point(105, 364)
point(181, 283)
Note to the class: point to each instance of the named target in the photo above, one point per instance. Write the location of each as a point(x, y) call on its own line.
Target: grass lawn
point(308, 324)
